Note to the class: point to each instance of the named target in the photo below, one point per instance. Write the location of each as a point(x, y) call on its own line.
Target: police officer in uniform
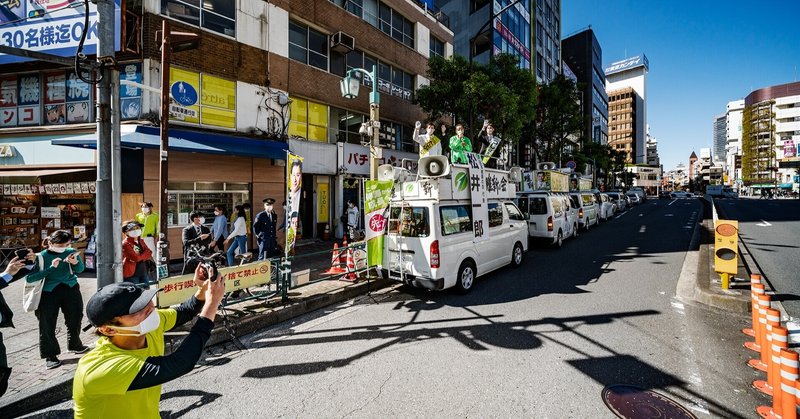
point(264, 230)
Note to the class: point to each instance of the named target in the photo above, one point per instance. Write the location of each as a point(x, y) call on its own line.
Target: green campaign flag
point(378, 195)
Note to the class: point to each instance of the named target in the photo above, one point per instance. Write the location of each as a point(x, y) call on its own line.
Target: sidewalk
point(33, 387)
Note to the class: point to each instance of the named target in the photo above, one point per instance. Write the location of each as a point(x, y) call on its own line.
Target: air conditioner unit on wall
point(342, 42)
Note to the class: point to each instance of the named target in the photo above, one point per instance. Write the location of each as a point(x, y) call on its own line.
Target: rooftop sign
point(628, 64)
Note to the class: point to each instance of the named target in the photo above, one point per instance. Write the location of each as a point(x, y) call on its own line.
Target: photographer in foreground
point(125, 371)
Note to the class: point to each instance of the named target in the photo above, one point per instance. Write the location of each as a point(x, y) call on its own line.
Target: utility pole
point(104, 200)
point(163, 172)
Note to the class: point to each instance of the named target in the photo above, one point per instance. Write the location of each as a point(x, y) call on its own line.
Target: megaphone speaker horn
point(434, 166)
point(386, 172)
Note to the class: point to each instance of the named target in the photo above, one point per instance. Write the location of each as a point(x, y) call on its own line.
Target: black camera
point(210, 264)
point(21, 253)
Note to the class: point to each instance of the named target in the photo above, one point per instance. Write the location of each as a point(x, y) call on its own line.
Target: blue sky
point(702, 55)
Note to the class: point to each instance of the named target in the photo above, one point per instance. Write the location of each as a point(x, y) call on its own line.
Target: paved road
point(771, 231)
point(539, 341)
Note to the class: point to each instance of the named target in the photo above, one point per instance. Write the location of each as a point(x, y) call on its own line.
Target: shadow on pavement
point(204, 399)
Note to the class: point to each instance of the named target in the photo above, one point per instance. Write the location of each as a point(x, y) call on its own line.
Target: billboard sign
point(628, 64)
point(50, 26)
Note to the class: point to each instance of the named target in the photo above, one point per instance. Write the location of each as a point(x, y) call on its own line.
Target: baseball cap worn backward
point(116, 300)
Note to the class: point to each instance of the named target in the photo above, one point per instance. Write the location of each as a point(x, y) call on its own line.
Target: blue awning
point(785, 185)
point(140, 136)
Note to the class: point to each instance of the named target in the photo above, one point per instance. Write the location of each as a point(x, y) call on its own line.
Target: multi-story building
point(631, 73)
point(584, 57)
point(677, 178)
point(692, 161)
point(547, 38)
point(264, 79)
point(770, 130)
point(624, 106)
point(733, 146)
point(478, 37)
point(720, 137)
point(652, 152)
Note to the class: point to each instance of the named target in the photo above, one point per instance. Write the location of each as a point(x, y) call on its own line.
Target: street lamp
point(349, 87)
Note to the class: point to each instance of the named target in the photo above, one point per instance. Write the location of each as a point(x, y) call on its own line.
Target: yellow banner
point(177, 289)
point(322, 203)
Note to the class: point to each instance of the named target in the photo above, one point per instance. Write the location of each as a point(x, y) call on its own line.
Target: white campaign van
point(547, 206)
point(445, 231)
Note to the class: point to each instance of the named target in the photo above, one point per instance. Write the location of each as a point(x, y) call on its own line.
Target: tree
point(558, 120)
point(499, 91)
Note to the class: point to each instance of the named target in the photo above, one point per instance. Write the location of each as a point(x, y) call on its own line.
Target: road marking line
point(763, 224)
point(642, 229)
point(668, 215)
point(676, 305)
point(673, 201)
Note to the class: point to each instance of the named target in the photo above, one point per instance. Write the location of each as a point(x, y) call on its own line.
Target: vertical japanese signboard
point(378, 194)
point(78, 98)
point(294, 183)
point(477, 189)
point(131, 96)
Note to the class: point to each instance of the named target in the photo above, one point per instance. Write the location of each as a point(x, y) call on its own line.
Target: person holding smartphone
point(23, 256)
point(58, 265)
point(123, 374)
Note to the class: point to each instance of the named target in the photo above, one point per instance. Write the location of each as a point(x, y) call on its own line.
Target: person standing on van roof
point(429, 143)
point(459, 146)
point(489, 144)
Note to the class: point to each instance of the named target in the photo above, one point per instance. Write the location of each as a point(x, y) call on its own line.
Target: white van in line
point(434, 241)
point(549, 216)
point(588, 212)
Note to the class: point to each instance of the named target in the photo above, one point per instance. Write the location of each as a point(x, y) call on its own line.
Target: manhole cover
point(636, 403)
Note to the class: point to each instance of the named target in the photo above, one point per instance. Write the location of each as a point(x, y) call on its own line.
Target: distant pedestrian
point(265, 230)
point(238, 235)
point(352, 220)
point(459, 146)
point(219, 230)
point(6, 314)
point(135, 255)
point(122, 376)
point(196, 234)
point(58, 265)
point(150, 223)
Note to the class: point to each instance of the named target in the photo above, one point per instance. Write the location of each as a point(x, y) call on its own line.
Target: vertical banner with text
point(294, 182)
point(378, 194)
point(480, 207)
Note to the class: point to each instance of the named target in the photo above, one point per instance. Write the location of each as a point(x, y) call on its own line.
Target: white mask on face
point(217, 213)
point(57, 249)
point(202, 220)
point(146, 326)
point(146, 210)
point(135, 233)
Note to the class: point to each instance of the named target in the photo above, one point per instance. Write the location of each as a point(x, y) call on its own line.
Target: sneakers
point(82, 349)
point(52, 362)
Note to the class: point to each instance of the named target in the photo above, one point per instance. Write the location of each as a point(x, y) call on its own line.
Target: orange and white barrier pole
point(756, 288)
point(763, 363)
point(761, 326)
point(780, 340)
point(789, 372)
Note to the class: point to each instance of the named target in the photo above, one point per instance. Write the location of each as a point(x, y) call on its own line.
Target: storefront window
point(308, 120)
point(199, 196)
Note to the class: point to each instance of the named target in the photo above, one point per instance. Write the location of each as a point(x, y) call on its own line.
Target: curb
point(60, 389)
point(694, 283)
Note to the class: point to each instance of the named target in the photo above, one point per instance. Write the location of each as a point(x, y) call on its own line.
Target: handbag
point(32, 292)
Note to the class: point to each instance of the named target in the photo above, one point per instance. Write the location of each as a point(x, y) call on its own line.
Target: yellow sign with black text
point(177, 289)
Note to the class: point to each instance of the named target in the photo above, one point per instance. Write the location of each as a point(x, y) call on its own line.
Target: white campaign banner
point(477, 189)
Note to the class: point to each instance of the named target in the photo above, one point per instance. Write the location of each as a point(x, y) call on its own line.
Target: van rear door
point(408, 241)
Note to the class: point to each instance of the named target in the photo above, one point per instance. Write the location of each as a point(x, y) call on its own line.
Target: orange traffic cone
point(784, 397)
point(351, 268)
point(779, 340)
point(773, 321)
point(336, 266)
point(756, 288)
point(761, 326)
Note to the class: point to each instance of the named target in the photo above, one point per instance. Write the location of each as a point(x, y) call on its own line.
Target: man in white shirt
point(429, 143)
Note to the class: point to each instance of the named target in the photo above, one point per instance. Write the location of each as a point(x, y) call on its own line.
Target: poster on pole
point(480, 207)
point(294, 183)
point(378, 194)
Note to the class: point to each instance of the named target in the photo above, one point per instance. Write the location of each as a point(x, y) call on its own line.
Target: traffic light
point(726, 249)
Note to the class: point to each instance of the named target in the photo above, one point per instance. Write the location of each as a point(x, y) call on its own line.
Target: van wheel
point(575, 230)
point(516, 255)
point(559, 240)
point(466, 277)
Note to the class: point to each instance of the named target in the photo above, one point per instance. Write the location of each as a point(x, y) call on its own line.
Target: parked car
point(638, 191)
point(607, 207)
point(588, 211)
point(680, 194)
point(619, 200)
point(549, 216)
point(663, 195)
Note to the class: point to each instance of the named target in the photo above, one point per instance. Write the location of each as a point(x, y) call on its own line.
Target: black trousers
point(70, 302)
point(3, 357)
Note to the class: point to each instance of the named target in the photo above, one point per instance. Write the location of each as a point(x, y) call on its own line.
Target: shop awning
point(139, 136)
point(39, 173)
point(785, 186)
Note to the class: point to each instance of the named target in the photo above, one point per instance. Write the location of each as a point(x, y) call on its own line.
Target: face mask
point(268, 208)
point(146, 326)
point(135, 233)
point(57, 249)
point(202, 220)
point(217, 213)
point(146, 210)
